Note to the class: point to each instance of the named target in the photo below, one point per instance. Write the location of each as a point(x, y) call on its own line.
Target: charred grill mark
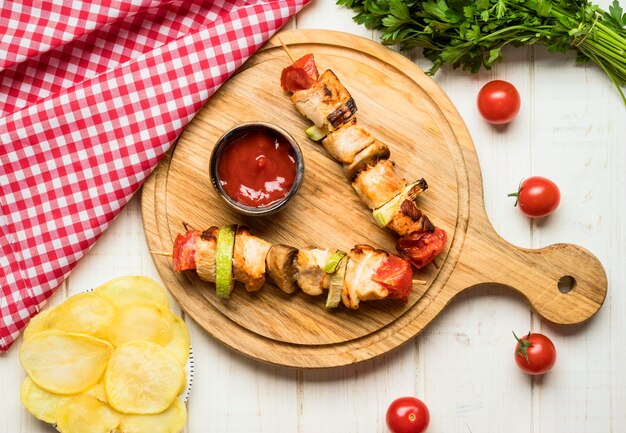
point(365, 158)
point(429, 226)
point(359, 249)
point(419, 187)
point(210, 234)
point(409, 209)
point(343, 113)
point(327, 92)
point(384, 152)
point(422, 184)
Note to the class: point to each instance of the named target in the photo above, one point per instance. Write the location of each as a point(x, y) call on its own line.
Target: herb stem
point(610, 53)
point(612, 43)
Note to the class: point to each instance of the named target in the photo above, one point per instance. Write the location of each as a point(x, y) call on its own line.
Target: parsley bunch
point(472, 33)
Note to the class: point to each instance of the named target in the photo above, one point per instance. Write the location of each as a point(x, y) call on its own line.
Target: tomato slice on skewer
point(422, 247)
point(184, 254)
point(301, 75)
point(396, 275)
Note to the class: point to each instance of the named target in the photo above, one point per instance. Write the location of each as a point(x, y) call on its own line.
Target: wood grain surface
point(427, 137)
point(570, 129)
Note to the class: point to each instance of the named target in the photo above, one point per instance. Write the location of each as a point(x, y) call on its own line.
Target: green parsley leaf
point(470, 34)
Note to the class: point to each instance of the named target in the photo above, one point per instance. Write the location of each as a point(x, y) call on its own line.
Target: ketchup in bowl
point(256, 166)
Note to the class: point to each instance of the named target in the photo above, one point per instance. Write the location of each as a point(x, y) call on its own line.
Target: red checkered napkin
point(92, 93)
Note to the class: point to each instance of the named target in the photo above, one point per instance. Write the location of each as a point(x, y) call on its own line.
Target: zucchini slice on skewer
point(224, 281)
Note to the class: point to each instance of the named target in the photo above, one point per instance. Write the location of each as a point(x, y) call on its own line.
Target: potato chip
point(129, 289)
point(63, 362)
point(142, 321)
point(98, 391)
point(183, 386)
point(87, 414)
point(179, 344)
point(79, 381)
point(171, 420)
point(142, 378)
point(37, 323)
point(85, 313)
point(42, 404)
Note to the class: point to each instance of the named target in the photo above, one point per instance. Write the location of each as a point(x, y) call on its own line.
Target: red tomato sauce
point(257, 169)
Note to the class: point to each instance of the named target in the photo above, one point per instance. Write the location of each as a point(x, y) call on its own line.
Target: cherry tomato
point(535, 353)
point(422, 247)
point(407, 415)
point(396, 275)
point(184, 254)
point(498, 102)
point(537, 196)
point(302, 74)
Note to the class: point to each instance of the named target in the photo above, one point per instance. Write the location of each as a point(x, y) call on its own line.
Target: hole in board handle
point(566, 284)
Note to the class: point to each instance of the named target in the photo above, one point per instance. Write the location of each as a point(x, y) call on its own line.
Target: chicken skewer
point(328, 104)
point(363, 274)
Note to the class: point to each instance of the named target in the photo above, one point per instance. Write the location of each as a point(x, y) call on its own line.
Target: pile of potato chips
point(110, 360)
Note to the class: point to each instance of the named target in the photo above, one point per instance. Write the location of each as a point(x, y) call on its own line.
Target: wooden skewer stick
point(161, 253)
point(287, 50)
point(167, 254)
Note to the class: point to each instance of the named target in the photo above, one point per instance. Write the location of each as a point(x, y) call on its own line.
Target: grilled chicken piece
point(408, 219)
point(327, 104)
point(363, 261)
point(249, 259)
point(346, 141)
point(378, 184)
point(310, 263)
point(281, 267)
point(367, 157)
point(206, 248)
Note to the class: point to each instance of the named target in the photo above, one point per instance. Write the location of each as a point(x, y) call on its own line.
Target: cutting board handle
point(572, 285)
point(563, 283)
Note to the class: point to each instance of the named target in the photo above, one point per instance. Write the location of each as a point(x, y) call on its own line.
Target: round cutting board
point(427, 138)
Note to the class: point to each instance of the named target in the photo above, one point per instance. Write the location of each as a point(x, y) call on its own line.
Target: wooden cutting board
point(407, 110)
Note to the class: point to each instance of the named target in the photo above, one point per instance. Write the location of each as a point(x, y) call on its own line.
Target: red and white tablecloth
point(92, 93)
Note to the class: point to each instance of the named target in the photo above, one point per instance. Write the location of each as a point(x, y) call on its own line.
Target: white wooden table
point(572, 129)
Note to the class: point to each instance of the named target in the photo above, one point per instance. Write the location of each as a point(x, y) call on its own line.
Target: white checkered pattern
point(91, 96)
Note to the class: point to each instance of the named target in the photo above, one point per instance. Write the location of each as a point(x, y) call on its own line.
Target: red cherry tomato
point(396, 275)
point(421, 248)
point(498, 102)
point(184, 254)
point(302, 74)
point(407, 415)
point(535, 353)
point(537, 196)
